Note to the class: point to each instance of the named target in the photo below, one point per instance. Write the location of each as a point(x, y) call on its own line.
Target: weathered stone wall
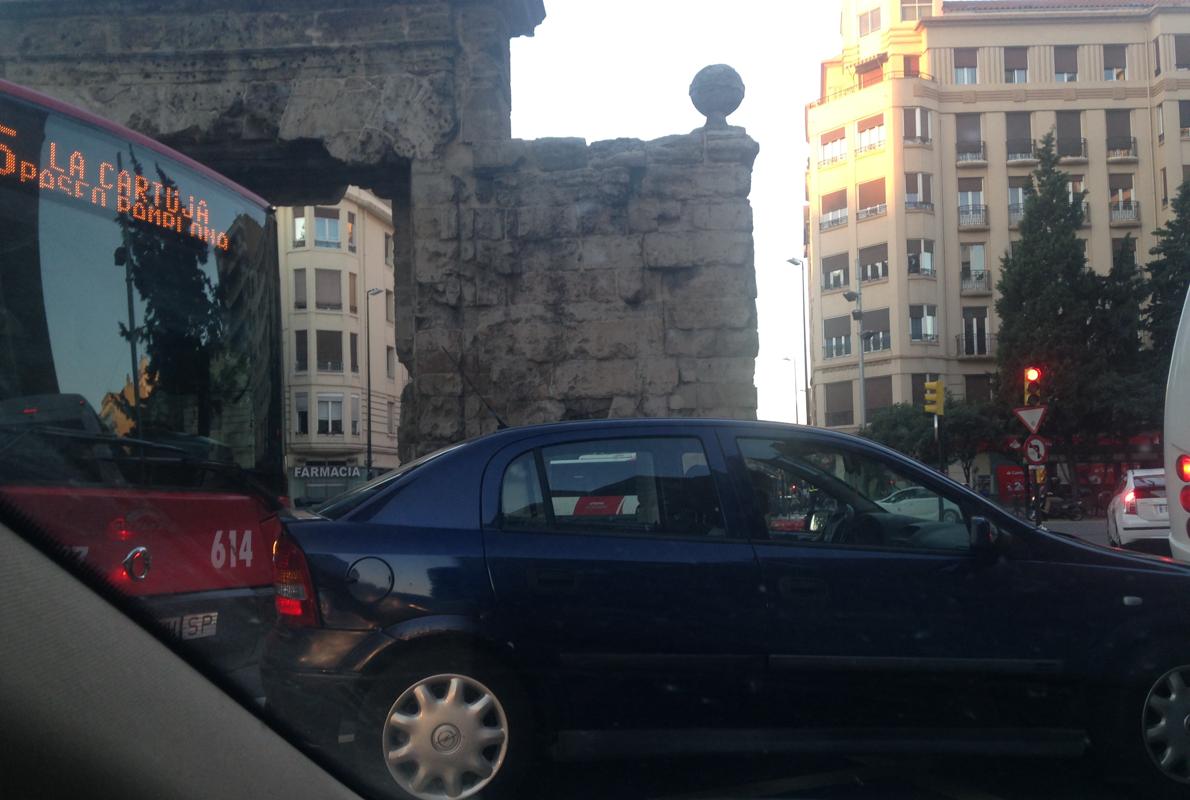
point(558, 280)
point(553, 279)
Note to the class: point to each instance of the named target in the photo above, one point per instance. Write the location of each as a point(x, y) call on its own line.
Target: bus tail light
point(293, 586)
point(1182, 468)
point(1185, 497)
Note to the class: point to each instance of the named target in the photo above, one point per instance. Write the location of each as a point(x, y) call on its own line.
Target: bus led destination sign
point(106, 185)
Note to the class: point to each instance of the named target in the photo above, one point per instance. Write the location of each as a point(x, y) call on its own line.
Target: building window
point(352, 289)
point(1121, 248)
point(299, 226)
point(1120, 143)
point(1157, 56)
point(354, 340)
point(1164, 188)
point(972, 265)
point(1018, 187)
point(301, 405)
point(390, 361)
point(975, 340)
point(875, 331)
point(871, 76)
point(877, 393)
point(833, 147)
point(1181, 51)
point(839, 408)
point(392, 418)
point(873, 262)
point(918, 382)
point(917, 125)
point(301, 352)
point(978, 388)
point(972, 211)
point(965, 70)
point(870, 202)
point(1184, 118)
point(1020, 136)
point(1120, 186)
point(923, 323)
point(918, 194)
point(326, 227)
point(969, 137)
point(350, 232)
point(1075, 186)
point(869, 22)
point(834, 210)
point(1066, 63)
point(912, 66)
point(870, 133)
point(389, 306)
point(836, 337)
point(1069, 137)
point(389, 255)
point(299, 288)
point(835, 272)
point(1115, 62)
point(913, 10)
point(1016, 65)
point(330, 414)
point(355, 415)
point(920, 256)
point(329, 345)
point(328, 290)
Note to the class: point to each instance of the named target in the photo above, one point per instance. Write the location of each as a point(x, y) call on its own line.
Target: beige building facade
point(921, 144)
point(336, 278)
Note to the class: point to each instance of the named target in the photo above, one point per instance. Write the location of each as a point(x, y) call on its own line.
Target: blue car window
point(819, 494)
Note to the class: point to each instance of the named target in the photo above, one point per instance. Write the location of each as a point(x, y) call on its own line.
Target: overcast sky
point(602, 69)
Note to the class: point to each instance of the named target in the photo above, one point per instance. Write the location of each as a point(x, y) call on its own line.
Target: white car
point(921, 503)
point(1138, 514)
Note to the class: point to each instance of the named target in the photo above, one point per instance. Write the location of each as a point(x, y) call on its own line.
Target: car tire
point(455, 739)
point(1128, 734)
point(950, 515)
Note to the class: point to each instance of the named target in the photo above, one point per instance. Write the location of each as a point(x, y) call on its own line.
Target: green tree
point(1168, 277)
point(902, 427)
point(1049, 307)
point(970, 429)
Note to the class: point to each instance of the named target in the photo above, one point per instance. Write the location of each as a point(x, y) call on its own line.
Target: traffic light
point(935, 397)
point(1032, 386)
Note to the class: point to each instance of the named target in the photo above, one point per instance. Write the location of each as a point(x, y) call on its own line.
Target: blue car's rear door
point(621, 580)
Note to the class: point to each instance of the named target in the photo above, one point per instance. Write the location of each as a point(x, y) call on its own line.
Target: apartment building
point(337, 286)
point(922, 142)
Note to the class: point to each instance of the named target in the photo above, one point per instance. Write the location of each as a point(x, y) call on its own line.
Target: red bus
point(140, 375)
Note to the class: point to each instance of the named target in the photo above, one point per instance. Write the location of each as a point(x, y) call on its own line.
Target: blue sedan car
point(640, 587)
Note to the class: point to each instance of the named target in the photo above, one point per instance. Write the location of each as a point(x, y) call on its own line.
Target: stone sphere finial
point(716, 91)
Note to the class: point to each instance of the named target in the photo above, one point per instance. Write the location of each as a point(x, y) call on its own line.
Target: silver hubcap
point(1166, 723)
point(445, 737)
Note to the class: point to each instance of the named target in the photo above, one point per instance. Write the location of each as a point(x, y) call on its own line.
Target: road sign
point(1031, 416)
point(1035, 450)
point(1015, 445)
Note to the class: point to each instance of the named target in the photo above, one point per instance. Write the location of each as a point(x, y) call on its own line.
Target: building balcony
point(888, 75)
point(971, 154)
point(878, 210)
point(868, 147)
point(877, 341)
point(1121, 149)
point(1185, 133)
point(832, 219)
point(1015, 212)
point(1124, 213)
point(973, 218)
point(975, 345)
point(1071, 150)
point(918, 141)
point(1022, 151)
point(913, 204)
point(831, 160)
point(837, 348)
point(330, 366)
point(975, 283)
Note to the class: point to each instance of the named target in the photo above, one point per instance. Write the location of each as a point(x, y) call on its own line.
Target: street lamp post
point(368, 390)
point(797, 262)
point(857, 314)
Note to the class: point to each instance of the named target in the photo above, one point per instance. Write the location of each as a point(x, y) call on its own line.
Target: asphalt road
point(1093, 530)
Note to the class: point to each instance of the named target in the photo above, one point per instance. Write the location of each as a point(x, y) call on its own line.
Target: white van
point(1177, 440)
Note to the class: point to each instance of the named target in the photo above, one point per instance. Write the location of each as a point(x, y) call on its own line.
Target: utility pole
point(805, 289)
point(857, 314)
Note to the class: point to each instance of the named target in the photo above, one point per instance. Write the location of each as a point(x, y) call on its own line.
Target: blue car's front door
point(620, 578)
point(881, 616)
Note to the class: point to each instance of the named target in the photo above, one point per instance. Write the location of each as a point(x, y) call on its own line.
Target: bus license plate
point(1163, 509)
point(193, 626)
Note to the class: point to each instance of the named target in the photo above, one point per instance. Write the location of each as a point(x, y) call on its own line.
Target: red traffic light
point(1032, 374)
